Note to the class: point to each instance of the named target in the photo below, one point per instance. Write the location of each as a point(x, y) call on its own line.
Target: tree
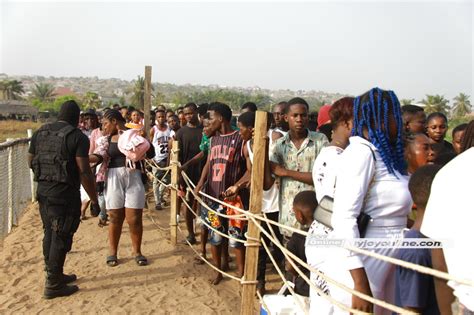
point(462, 105)
point(407, 101)
point(43, 92)
point(138, 98)
point(11, 89)
point(91, 100)
point(435, 103)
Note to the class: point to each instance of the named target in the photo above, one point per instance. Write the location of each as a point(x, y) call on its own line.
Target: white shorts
point(124, 189)
point(84, 195)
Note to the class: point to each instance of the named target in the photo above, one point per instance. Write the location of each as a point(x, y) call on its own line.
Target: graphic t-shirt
point(160, 142)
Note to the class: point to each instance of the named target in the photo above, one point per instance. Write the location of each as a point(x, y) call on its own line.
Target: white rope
point(282, 276)
point(156, 224)
point(408, 265)
point(200, 201)
point(288, 254)
point(241, 280)
point(210, 227)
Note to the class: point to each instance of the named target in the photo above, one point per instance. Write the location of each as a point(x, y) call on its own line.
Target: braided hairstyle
point(371, 113)
point(468, 139)
point(114, 114)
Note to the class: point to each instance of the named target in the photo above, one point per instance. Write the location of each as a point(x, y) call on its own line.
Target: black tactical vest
point(51, 160)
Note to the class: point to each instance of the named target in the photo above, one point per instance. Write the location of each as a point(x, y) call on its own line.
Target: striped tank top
point(227, 163)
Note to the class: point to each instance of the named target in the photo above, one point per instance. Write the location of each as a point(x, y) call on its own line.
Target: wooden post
point(256, 195)
point(10, 187)
point(32, 176)
point(147, 99)
point(174, 192)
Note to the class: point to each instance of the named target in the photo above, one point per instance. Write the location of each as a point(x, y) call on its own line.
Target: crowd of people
point(374, 160)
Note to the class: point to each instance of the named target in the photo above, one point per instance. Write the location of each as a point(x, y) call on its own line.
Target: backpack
point(133, 146)
point(50, 162)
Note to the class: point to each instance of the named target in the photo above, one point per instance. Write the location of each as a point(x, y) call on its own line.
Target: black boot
point(55, 287)
point(65, 278)
point(69, 278)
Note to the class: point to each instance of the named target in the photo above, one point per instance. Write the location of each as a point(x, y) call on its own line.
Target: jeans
point(158, 188)
point(103, 210)
point(61, 218)
point(262, 253)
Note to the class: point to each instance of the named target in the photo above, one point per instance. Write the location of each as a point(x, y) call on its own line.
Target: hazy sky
point(347, 47)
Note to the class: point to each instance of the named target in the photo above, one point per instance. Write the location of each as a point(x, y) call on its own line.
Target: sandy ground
point(170, 284)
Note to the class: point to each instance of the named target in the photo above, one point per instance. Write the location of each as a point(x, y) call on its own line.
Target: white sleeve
point(356, 168)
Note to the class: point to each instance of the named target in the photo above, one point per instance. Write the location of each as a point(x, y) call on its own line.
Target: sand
point(170, 284)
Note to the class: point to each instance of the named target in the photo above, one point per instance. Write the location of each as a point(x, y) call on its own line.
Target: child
point(415, 291)
point(436, 128)
point(304, 205)
point(458, 135)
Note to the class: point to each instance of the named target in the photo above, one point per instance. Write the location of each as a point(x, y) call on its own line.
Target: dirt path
point(170, 284)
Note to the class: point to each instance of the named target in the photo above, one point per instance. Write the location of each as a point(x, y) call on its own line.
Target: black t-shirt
point(189, 139)
point(296, 246)
point(77, 145)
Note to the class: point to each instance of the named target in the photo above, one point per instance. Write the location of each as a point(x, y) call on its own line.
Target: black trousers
point(262, 253)
point(61, 218)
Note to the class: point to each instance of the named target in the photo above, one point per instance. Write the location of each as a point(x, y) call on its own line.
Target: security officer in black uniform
point(58, 156)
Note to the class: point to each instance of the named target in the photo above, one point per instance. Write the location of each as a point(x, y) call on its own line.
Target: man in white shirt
point(449, 215)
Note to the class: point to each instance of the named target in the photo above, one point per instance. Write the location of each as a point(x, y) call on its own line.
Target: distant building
point(11, 109)
point(62, 91)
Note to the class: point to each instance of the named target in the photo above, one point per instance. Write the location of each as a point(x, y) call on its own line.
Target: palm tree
point(138, 98)
point(11, 89)
point(462, 105)
point(436, 103)
point(43, 92)
point(407, 101)
point(91, 100)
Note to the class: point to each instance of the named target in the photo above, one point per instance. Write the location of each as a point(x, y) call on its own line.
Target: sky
point(346, 46)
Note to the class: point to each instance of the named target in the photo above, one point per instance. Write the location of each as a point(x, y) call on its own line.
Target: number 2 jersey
point(227, 163)
point(160, 142)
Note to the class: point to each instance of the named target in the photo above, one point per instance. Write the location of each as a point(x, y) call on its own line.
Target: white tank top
point(160, 142)
point(270, 197)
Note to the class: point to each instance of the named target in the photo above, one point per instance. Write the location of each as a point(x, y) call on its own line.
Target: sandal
point(112, 261)
point(141, 260)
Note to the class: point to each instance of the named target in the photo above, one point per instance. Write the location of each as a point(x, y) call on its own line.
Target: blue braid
point(378, 132)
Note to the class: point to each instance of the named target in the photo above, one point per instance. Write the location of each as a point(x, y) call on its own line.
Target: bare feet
point(217, 279)
point(198, 260)
point(225, 266)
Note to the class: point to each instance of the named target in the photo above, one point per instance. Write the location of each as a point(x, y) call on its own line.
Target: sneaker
point(158, 207)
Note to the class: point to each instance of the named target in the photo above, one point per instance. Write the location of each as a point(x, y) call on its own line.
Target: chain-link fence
point(15, 183)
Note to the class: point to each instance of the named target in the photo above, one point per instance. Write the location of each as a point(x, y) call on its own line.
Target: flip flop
point(112, 261)
point(141, 260)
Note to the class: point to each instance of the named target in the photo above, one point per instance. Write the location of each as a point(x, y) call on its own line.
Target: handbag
point(323, 212)
point(323, 215)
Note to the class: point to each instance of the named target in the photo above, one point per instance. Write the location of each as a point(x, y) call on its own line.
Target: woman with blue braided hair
point(371, 182)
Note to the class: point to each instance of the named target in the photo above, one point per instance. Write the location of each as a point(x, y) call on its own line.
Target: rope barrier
point(282, 276)
point(288, 254)
point(210, 227)
point(395, 261)
point(200, 201)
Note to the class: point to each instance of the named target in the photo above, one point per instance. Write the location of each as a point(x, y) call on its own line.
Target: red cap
point(323, 115)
